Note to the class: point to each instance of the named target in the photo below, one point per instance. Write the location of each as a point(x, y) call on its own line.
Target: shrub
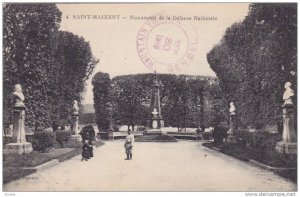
point(116, 127)
point(219, 134)
point(88, 133)
point(42, 140)
point(256, 139)
point(62, 137)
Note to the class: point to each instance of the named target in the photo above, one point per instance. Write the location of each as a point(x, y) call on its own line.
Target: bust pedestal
point(75, 136)
point(155, 125)
point(288, 144)
point(232, 125)
point(19, 144)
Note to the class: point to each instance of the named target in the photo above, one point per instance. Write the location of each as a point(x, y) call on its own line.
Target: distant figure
point(232, 108)
point(129, 141)
point(18, 96)
point(85, 150)
point(288, 93)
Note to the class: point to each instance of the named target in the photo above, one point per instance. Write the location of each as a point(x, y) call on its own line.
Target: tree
point(102, 99)
point(28, 53)
point(76, 64)
point(51, 66)
point(130, 97)
point(254, 60)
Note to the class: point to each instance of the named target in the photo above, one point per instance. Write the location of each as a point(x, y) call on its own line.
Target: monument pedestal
point(18, 148)
point(154, 132)
point(110, 135)
point(76, 138)
point(286, 147)
point(232, 125)
point(288, 144)
point(19, 144)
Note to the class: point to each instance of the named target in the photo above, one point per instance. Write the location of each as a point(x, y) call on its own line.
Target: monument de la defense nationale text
point(134, 17)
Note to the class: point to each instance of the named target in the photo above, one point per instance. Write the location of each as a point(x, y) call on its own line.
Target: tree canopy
point(50, 65)
point(101, 89)
point(254, 60)
point(184, 99)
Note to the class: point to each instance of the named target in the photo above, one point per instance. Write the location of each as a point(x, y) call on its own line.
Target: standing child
point(90, 148)
point(129, 141)
point(85, 150)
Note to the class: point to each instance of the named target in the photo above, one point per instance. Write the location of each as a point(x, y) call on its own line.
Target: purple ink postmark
point(167, 45)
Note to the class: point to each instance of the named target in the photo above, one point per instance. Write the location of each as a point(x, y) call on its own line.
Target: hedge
point(256, 139)
point(42, 140)
point(62, 137)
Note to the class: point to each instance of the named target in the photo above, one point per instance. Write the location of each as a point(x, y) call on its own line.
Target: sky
point(131, 45)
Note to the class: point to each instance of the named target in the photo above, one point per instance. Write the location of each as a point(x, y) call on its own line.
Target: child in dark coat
point(85, 150)
point(91, 148)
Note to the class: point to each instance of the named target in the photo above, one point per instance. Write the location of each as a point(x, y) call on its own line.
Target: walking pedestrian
point(129, 141)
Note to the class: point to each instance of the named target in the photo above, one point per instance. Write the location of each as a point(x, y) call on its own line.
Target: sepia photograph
point(149, 97)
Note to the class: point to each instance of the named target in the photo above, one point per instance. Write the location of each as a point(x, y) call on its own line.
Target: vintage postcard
point(177, 97)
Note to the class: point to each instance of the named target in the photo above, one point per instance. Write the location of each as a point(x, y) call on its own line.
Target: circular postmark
point(167, 45)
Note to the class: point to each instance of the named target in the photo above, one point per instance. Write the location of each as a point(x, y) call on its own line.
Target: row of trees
point(185, 100)
point(254, 60)
point(51, 65)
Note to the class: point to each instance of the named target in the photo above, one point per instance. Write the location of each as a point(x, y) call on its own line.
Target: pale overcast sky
point(114, 42)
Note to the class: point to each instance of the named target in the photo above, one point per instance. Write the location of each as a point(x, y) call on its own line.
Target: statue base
point(18, 148)
point(286, 147)
point(154, 132)
point(76, 138)
point(231, 139)
point(110, 135)
point(199, 135)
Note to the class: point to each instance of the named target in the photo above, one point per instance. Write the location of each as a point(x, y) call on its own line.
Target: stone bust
point(18, 96)
point(75, 107)
point(288, 93)
point(154, 112)
point(232, 108)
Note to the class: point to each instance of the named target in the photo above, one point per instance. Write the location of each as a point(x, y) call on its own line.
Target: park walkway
point(182, 166)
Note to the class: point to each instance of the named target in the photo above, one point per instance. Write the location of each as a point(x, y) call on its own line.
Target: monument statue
point(18, 144)
point(155, 121)
point(288, 143)
point(288, 93)
point(154, 112)
point(232, 108)
point(19, 97)
point(75, 123)
point(75, 107)
point(232, 124)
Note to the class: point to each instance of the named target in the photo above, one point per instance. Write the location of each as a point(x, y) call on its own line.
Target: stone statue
point(18, 96)
point(75, 107)
point(155, 112)
point(232, 108)
point(288, 93)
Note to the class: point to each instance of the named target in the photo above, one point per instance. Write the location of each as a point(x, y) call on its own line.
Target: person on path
point(85, 150)
point(90, 148)
point(129, 141)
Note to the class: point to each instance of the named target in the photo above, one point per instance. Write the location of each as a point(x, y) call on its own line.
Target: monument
point(155, 121)
point(75, 130)
point(232, 123)
point(288, 143)
point(19, 144)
